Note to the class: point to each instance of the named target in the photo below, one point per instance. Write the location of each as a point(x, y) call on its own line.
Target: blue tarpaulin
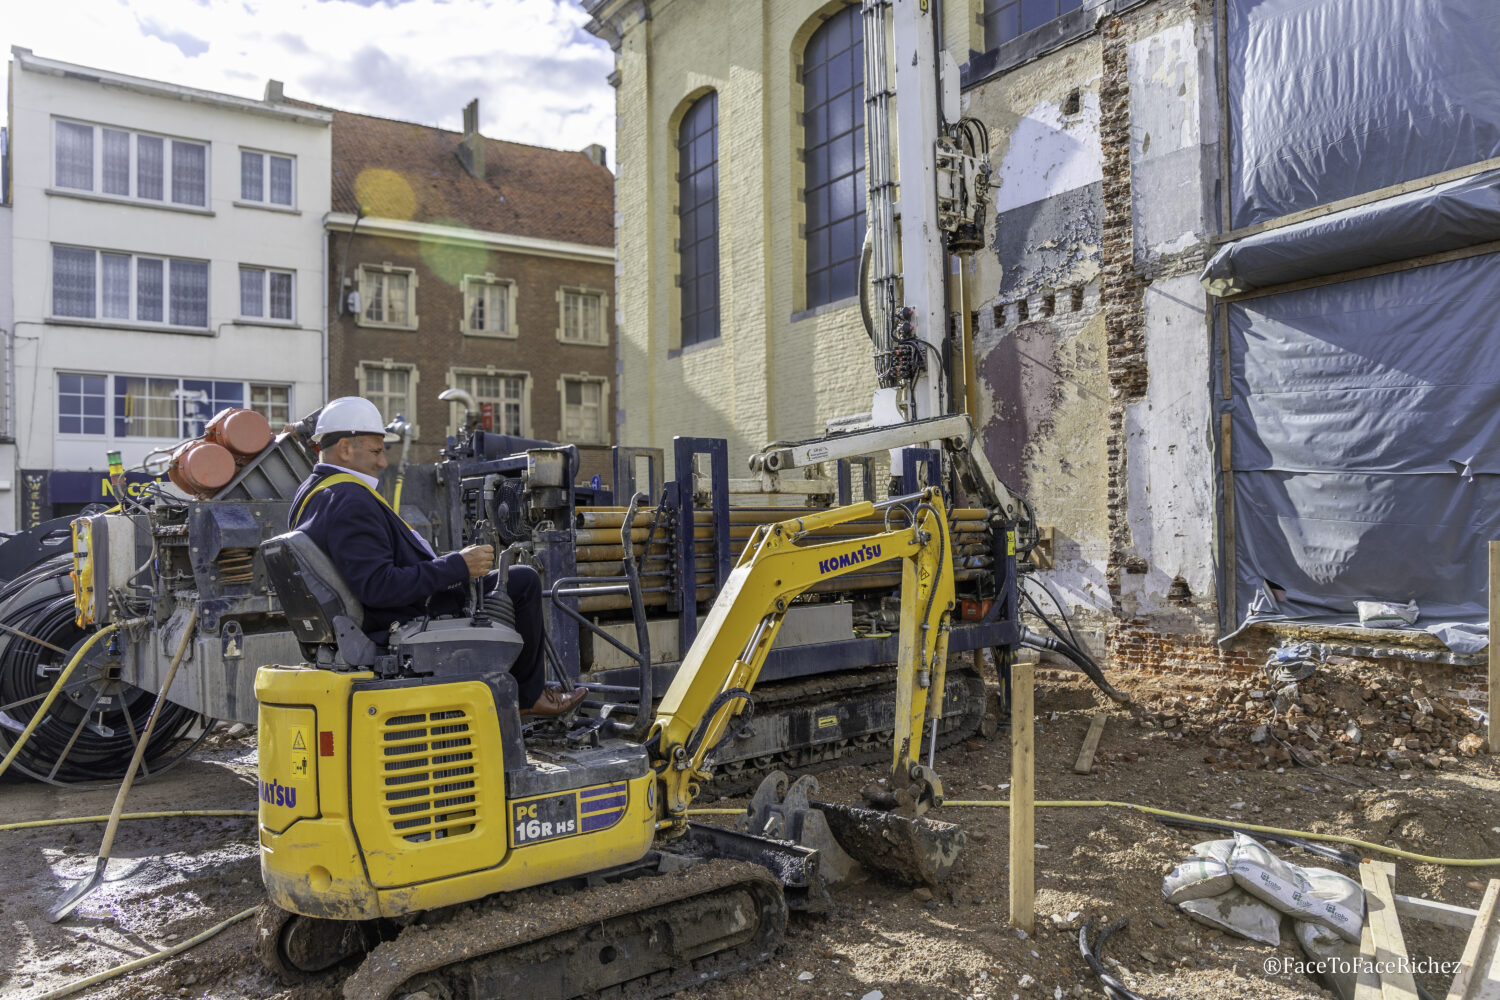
point(1334, 98)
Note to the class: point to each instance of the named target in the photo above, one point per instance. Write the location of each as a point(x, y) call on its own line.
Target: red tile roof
point(412, 172)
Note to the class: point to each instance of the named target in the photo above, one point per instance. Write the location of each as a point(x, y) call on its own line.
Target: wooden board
point(1478, 976)
point(1022, 799)
point(1085, 762)
point(1433, 912)
point(1387, 948)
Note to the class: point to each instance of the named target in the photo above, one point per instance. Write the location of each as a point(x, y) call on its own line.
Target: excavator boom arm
point(781, 561)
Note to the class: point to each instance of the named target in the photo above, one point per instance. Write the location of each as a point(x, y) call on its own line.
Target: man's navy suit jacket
point(378, 555)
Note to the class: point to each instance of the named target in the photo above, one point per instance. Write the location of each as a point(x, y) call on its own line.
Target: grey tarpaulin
point(1334, 98)
point(1459, 213)
point(1366, 442)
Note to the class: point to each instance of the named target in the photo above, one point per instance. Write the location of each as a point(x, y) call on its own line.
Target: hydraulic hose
point(70, 820)
point(145, 960)
point(1038, 641)
point(62, 679)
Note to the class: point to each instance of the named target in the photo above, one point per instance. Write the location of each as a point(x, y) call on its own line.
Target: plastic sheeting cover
point(1365, 442)
point(1334, 98)
point(1448, 216)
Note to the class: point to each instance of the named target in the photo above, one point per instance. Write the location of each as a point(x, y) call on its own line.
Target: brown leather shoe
point(553, 702)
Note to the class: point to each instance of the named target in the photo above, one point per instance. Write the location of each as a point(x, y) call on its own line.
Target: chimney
point(595, 153)
point(274, 91)
point(471, 146)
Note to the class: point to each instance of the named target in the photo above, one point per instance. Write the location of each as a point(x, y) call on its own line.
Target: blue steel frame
point(999, 629)
point(555, 551)
point(686, 585)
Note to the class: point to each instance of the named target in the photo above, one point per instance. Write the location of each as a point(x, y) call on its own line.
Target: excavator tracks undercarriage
point(647, 936)
point(786, 715)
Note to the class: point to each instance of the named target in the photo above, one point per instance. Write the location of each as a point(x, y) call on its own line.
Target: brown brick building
point(457, 261)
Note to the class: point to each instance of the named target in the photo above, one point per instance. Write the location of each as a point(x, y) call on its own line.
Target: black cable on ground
point(1321, 850)
point(1094, 955)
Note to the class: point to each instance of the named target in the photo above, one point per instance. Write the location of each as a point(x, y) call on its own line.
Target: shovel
point(83, 887)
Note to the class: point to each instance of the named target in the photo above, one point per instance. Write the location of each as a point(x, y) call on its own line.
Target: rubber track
point(514, 920)
point(739, 777)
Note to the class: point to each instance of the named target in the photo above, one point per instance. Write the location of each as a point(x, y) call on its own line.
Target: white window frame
point(265, 295)
point(562, 315)
point(250, 388)
point(368, 273)
point(108, 418)
point(472, 285)
point(490, 371)
point(409, 411)
point(168, 197)
point(263, 200)
point(98, 319)
point(562, 399)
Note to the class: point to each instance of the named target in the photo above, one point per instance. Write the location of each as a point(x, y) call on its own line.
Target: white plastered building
point(166, 259)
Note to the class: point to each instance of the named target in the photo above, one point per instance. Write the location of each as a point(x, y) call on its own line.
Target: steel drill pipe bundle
point(599, 552)
point(614, 517)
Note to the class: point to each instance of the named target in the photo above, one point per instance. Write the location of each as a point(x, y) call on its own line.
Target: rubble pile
point(1345, 713)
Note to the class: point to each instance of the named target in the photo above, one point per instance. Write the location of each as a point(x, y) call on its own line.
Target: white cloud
point(539, 77)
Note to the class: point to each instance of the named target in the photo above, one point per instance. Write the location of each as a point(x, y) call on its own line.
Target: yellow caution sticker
point(1010, 543)
point(827, 721)
point(299, 754)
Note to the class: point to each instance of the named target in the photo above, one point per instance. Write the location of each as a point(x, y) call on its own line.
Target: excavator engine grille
point(430, 775)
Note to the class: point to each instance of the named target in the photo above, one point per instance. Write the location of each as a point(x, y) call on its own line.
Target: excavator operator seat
point(324, 614)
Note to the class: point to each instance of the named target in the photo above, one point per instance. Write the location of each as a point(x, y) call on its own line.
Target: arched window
point(698, 218)
point(833, 118)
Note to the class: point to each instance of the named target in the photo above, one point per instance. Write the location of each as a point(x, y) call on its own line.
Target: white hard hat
point(348, 415)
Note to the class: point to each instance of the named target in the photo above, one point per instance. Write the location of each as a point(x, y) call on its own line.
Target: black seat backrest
point(323, 613)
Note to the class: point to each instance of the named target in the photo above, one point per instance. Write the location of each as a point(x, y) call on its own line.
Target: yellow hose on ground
point(62, 679)
point(65, 821)
point(145, 960)
point(1150, 810)
point(1304, 834)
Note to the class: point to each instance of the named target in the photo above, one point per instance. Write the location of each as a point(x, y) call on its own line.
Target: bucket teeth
point(911, 850)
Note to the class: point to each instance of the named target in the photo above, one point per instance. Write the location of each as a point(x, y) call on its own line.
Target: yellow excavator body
point(382, 798)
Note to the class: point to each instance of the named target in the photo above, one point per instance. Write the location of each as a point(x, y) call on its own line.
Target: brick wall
point(1136, 647)
point(438, 345)
point(1121, 293)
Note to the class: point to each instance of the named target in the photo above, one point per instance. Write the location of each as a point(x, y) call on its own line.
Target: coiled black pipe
point(93, 755)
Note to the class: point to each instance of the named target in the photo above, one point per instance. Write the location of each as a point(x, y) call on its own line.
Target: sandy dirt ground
point(173, 878)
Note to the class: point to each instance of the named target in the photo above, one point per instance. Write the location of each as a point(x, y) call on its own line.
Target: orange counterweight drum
point(201, 467)
point(244, 432)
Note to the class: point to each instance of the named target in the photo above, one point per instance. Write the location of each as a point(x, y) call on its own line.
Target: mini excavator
point(408, 822)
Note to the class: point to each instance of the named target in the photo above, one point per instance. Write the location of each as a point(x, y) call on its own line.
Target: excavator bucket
point(914, 851)
point(910, 850)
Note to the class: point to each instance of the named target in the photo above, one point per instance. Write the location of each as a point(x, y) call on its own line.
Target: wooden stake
point(1493, 729)
point(1022, 799)
point(1478, 975)
point(1085, 762)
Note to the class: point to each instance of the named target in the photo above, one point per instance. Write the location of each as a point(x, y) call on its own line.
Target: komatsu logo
point(865, 553)
point(276, 794)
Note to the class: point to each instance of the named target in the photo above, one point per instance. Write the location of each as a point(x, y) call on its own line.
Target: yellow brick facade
point(777, 371)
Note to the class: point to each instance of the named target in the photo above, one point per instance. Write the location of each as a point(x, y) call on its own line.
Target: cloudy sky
point(539, 76)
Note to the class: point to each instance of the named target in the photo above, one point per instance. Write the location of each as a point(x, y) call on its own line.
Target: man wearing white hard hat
point(388, 566)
